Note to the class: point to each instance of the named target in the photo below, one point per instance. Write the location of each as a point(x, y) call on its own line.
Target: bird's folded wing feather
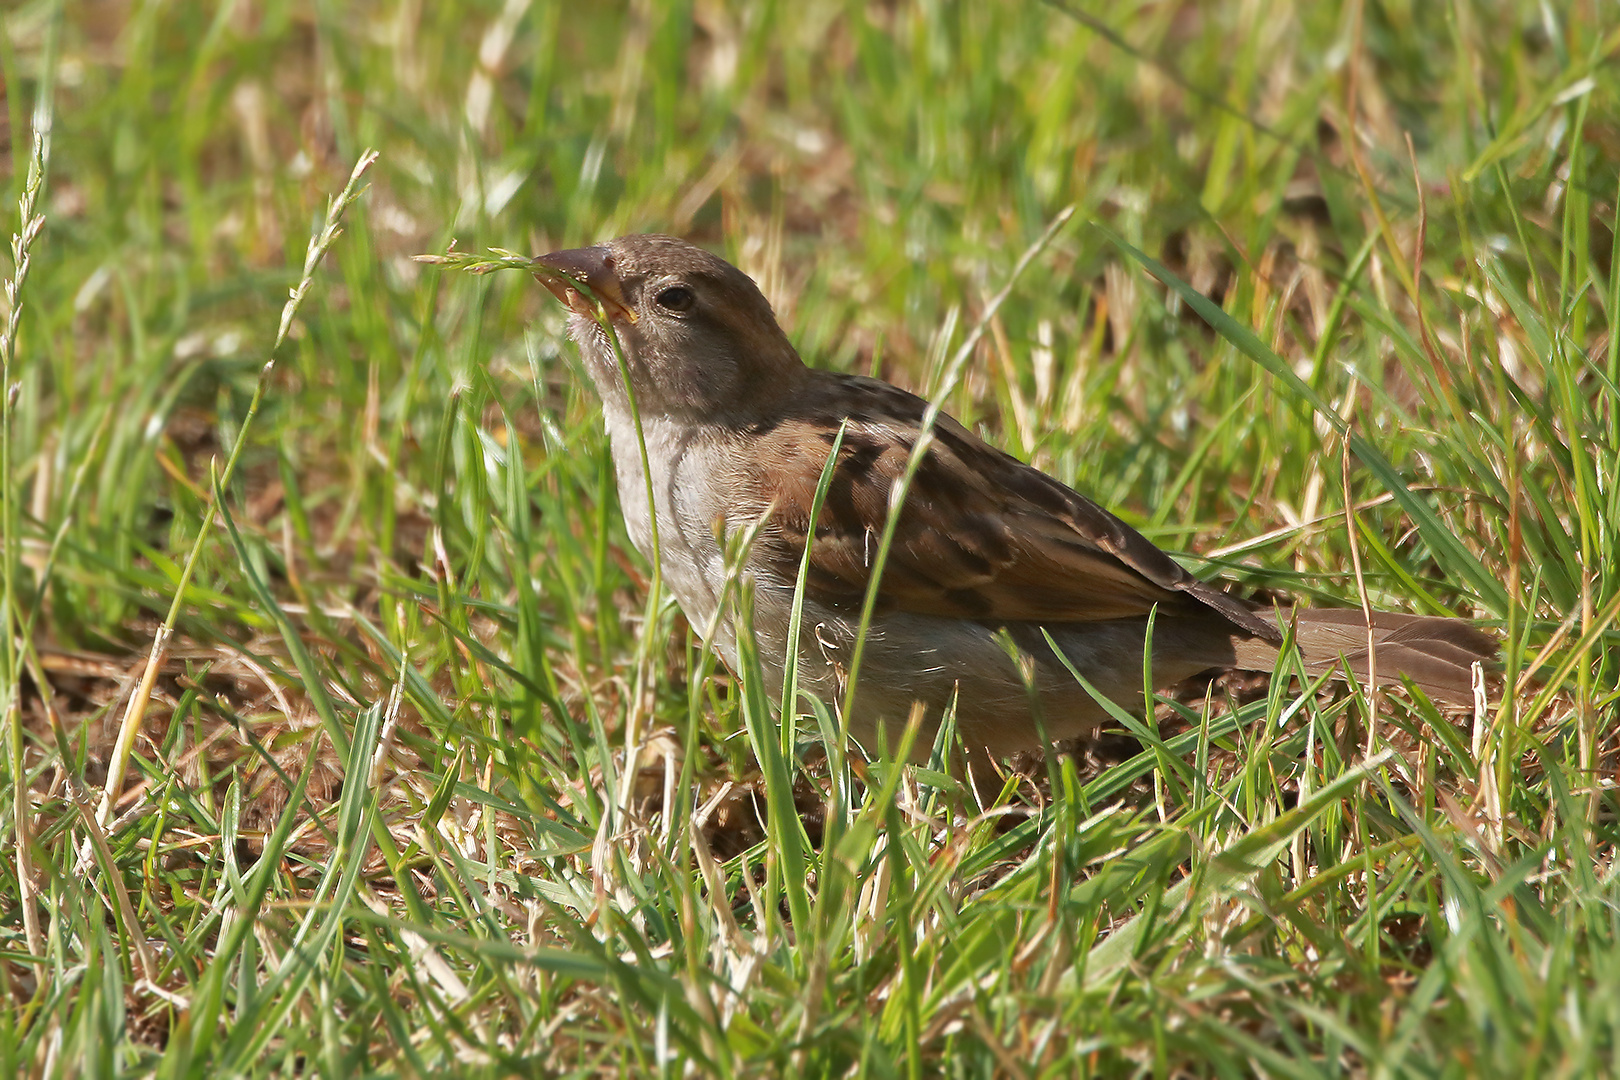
point(981, 535)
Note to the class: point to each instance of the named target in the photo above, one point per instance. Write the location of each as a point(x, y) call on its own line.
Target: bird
point(999, 579)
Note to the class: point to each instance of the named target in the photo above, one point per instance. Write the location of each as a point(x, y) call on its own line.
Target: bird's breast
point(694, 505)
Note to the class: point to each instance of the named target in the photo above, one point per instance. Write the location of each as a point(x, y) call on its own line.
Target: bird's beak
point(563, 272)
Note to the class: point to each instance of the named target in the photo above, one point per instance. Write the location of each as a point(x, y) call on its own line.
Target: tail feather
point(1437, 654)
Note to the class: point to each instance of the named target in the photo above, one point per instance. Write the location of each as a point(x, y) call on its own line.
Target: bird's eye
point(676, 298)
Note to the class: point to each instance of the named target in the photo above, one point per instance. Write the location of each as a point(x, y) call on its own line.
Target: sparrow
point(994, 568)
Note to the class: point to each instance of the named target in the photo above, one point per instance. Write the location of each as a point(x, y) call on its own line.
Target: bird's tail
point(1437, 654)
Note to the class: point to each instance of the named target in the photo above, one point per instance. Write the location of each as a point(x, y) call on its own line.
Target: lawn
point(347, 734)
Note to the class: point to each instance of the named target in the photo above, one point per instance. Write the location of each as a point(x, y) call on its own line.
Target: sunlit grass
point(381, 815)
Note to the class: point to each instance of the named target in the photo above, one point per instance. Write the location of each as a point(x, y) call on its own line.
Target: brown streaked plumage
point(986, 547)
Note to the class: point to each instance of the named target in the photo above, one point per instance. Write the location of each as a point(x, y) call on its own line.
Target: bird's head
point(700, 340)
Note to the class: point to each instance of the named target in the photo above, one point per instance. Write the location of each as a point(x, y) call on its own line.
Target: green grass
point(378, 815)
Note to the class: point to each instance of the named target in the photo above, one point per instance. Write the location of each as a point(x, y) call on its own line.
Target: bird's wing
point(981, 535)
